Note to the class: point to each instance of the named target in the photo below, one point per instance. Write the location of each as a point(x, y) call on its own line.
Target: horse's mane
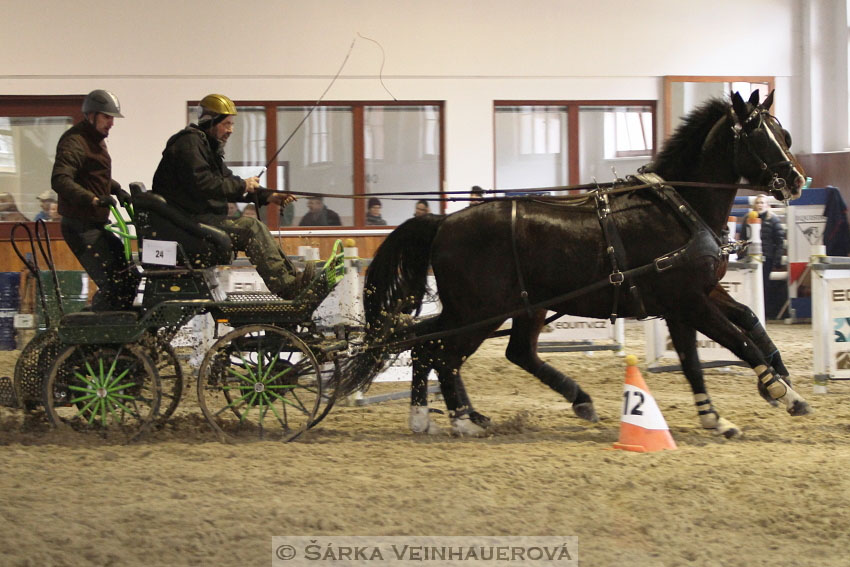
point(682, 150)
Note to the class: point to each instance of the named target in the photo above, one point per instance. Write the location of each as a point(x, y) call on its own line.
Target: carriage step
point(7, 393)
point(99, 319)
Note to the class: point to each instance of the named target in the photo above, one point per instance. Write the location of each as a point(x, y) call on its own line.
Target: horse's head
point(762, 153)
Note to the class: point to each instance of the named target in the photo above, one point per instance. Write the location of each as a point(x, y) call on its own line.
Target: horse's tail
point(395, 285)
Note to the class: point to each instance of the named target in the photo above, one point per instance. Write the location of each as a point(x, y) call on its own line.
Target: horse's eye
point(787, 135)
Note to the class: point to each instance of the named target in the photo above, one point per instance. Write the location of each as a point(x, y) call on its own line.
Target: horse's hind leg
point(522, 351)
point(684, 340)
point(445, 359)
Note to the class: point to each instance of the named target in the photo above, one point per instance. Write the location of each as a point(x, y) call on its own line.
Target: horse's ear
point(754, 98)
point(739, 106)
point(768, 101)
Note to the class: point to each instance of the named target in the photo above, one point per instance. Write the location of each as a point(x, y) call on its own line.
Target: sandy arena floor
point(779, 496)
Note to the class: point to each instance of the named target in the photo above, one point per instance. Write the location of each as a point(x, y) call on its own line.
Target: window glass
point(531, 147)
point(613, 141)
point(318, 159)
point(27, 153)
point(402, 153)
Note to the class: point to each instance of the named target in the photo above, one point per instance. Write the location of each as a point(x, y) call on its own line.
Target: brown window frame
point(572, 107)
point(358, 147)
point(38, 106)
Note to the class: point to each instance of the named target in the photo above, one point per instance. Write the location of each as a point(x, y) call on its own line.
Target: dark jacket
point(82, 170)
point(192, 176)
point(772, 237)
point(372, 220)
point(325, 217)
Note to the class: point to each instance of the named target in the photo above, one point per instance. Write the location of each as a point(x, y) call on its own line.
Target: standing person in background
point(82, 177)
point(772, 246)
point(319, 214)
point(373, 213)
point(46, 199)
point(422, 208)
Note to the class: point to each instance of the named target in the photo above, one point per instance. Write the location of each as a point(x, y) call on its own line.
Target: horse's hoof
point(586, 411)
point(464, 427)
point(800, 407)
point(420, 422)
point(731, 433)
point(479, 419)
point(727, 429)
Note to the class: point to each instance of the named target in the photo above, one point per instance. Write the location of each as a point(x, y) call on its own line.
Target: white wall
point(156, 55)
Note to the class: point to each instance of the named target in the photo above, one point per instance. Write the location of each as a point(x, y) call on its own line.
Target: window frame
point(274, 139)
point(572, 108)
point(37, 106)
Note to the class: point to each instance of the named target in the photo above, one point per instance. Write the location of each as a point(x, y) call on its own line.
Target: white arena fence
point(571, 334)
point(830, 318)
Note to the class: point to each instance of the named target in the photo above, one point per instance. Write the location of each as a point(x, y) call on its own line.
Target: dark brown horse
point(642, 248)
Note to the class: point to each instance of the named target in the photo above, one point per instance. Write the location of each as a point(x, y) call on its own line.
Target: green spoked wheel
point(111, 389)
point(260, 381)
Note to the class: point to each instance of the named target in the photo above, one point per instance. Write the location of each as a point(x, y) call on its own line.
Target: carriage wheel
point(112, 389)
point(260, 381)
point(169, 371)
point(33, 366)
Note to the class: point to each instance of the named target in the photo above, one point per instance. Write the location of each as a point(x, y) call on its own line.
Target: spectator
point(46, 199)
point(476, 195)
point(9, 210)
point(53, 213)
point(422, 208)
point(319, 214)
point(373, 213)
point(250, 210)
point(772, 246)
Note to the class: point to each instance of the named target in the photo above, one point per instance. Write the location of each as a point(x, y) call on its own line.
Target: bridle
point(744, 132)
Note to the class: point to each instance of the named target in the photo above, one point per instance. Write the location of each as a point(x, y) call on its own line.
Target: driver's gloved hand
point(107, 201)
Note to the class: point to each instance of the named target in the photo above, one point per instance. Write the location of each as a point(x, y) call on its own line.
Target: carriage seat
point(200, 245)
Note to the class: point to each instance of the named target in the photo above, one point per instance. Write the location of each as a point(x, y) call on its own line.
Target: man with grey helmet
point(82, 178)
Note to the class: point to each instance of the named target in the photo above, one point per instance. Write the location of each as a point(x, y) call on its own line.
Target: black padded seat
point(100, 319)
point(202, 245)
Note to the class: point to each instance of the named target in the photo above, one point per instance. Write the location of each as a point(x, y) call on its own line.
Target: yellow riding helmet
point(218, 104)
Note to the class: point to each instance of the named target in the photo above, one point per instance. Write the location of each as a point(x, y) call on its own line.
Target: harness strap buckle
point(616, 278)
point(664, 262)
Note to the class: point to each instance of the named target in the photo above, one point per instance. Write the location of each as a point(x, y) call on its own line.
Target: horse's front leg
point(746, 320)
point(684, 340)
point(708, 319)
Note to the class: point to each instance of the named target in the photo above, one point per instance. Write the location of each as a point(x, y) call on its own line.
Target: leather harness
point(703, 242)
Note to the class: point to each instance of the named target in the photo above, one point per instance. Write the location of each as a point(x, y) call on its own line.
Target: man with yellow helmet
point(192, 176)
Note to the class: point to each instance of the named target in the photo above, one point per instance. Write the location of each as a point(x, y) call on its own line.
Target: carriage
point(117, 372)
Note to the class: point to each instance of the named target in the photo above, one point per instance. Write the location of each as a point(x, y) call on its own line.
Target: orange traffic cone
point(642, 427)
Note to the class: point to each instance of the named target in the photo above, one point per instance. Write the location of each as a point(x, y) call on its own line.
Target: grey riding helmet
point(102, 101)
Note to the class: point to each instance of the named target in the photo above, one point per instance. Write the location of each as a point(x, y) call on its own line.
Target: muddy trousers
point(101, 254)
point(251, 236)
